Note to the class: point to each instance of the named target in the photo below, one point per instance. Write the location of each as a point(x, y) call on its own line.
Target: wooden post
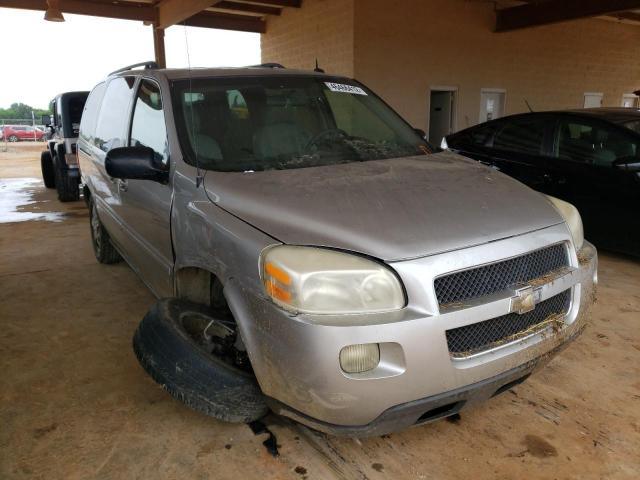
point(158, 46)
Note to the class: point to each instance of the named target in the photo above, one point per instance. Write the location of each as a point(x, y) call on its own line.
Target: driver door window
point(148, 126)
point(583, 142)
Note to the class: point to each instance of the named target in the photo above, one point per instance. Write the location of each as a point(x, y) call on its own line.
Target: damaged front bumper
point(430, 409)
point(418, 380)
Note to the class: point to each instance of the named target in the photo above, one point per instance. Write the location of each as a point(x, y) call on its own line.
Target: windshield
point(265, 123)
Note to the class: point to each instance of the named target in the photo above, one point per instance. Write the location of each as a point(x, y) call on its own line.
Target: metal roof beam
point(171, 12)
point(224, 21)
point(275, 3)
point(124, 11)
point(552, 11)
point(247, 7)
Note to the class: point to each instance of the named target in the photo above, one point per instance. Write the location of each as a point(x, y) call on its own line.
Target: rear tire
point(200, 380)
point(103, 249)
point(68, 187)
point(48, 174)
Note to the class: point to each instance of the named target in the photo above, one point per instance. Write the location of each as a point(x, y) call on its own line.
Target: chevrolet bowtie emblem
point(525, 299)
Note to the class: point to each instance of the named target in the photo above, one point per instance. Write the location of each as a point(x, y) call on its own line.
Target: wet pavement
point(18, 202)
point(74, 403)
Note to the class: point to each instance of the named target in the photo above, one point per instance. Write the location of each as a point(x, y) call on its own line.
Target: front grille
point(470, 339)
point(487, 279)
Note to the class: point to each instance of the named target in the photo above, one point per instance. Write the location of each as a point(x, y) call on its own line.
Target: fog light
point(360, 358)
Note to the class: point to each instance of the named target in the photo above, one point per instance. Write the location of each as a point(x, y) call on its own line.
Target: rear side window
point(148, 128)
point(90, 114)
point(114, 113)
point(521, 135)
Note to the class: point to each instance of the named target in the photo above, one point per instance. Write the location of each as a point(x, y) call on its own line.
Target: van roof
point(257, 71)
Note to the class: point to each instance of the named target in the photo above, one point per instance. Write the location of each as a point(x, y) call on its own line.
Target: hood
point(390, 209)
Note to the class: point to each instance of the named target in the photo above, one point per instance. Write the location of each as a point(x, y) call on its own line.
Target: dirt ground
point(74, 403)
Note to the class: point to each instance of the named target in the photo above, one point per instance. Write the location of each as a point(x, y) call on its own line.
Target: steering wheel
point(325, 135)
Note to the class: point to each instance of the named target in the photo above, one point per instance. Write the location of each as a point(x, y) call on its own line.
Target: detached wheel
point(46, 165)
point(191, 354)
point(103, 249)
point(68, 187)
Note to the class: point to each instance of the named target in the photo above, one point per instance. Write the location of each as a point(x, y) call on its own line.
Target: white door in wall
point(441, 114)
point(491, 104)
point(630, 100)
point(592, 100)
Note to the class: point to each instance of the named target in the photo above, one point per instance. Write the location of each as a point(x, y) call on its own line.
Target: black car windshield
point(284, 122)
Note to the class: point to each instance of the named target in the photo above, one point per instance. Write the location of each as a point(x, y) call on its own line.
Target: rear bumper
point(429, 409)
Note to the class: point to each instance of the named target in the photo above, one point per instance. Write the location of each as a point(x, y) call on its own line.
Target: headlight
point(572, 217)
point(322, 281)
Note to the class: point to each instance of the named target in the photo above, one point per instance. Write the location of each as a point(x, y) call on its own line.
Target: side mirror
point(421, 132)
point(135, 163)
point(46, 120)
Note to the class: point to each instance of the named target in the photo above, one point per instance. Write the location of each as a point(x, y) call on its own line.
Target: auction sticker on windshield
point(341, 87)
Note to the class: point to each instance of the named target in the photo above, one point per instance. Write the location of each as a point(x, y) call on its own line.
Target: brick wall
point(321, 29)
point(401, 48)
point(400, 52)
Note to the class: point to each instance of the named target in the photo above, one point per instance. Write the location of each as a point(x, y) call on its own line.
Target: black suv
point(59, 162)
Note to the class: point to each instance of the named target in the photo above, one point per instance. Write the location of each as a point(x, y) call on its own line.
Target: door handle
point(122, 185)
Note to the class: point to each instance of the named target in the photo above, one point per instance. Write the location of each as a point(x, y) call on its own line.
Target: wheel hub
point(216, 336)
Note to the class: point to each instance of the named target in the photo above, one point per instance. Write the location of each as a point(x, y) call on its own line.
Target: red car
point(17, 133)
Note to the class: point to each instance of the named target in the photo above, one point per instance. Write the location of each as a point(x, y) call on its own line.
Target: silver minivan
point(315, 256)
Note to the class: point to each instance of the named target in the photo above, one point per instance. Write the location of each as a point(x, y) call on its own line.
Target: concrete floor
point(74, 404)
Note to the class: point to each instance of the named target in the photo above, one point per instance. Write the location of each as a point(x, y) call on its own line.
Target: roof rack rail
point(146, 65)
point(267, 65)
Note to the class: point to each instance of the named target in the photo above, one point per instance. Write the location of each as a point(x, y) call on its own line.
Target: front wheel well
point(201, 286)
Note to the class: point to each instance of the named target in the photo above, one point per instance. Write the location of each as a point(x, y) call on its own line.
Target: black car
point(589, 157)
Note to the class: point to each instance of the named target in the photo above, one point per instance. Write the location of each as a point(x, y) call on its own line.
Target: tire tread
point(46, 166)
point(197, 380)
point(68, 187)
